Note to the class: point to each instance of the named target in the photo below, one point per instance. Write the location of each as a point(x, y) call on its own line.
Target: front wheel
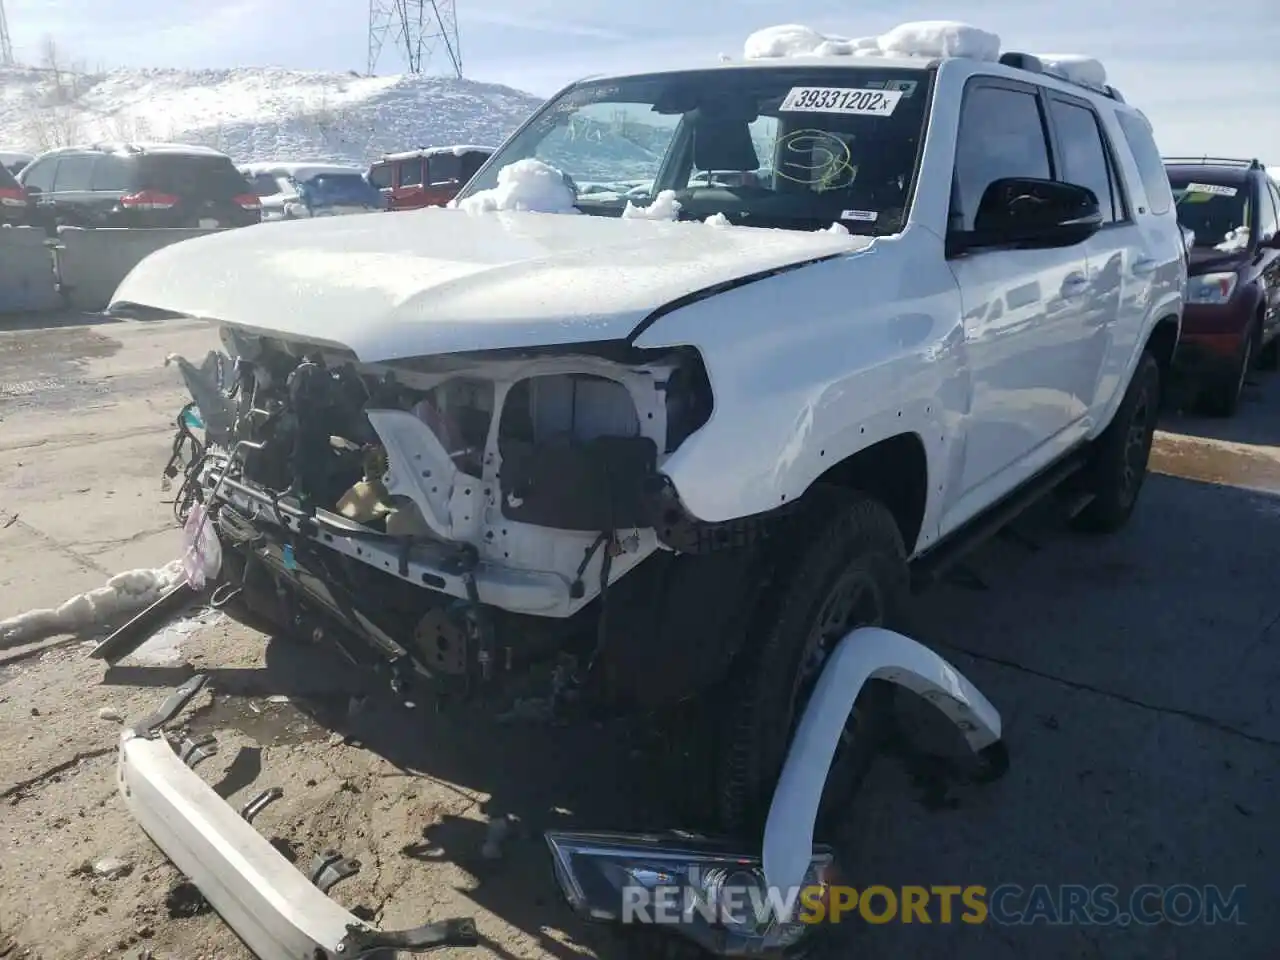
point(1119, 466)
point(1223, 398)
point(844, 567)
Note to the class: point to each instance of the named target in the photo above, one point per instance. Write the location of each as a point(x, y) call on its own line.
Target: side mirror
point(1034, 213)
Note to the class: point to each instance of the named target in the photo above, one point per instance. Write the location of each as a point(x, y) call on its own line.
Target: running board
point(933, 564)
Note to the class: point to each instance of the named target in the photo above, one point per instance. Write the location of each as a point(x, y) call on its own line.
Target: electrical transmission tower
point(416, 28)
point(6, 45)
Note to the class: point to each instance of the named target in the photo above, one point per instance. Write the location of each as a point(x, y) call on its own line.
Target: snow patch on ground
point(665, 206)
point(125, 593)
point(528, 185)
point(256, 113)
point(921, 38)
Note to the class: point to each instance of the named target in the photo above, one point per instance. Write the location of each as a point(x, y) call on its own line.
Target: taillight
point(148, 200)
point(249, 201)
point(13, 197)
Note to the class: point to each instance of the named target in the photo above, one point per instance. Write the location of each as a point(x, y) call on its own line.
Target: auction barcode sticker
point(1215, 189)
point(845, 100)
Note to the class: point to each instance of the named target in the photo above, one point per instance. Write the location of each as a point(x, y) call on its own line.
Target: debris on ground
point(112, 868)
point(124, 593)
point(110, 713)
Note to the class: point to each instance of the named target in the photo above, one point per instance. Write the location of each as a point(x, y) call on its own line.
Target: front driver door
point(1020, 308)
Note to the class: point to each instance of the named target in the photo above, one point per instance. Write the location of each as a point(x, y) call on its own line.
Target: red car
point(16, 208)
point(1232, 316)
point(429, 177)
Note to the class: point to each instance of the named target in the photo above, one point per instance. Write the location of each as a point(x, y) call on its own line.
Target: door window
point(411, 172)
point(380, 175)
point(471, 162)
point(1002, 134)
point(1155, 179)
point(1267, 215)
point(74, 173)
point(110, 174)
point(40, 174)
point(443, 168)
point(1084, 154)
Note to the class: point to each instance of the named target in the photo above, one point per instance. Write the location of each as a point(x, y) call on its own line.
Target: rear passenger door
point(407, 193)
point(72, 190)
point(1020, 307)
point(1116, 267)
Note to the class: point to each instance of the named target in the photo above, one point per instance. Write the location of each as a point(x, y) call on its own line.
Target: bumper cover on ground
point(276, 911)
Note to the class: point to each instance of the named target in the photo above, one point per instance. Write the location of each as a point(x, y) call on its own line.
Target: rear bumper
point(273, 908)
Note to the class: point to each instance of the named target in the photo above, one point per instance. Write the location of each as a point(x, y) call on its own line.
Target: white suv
point(873, 307)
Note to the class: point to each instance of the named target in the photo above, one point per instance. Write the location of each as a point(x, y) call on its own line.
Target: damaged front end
point(455, 514)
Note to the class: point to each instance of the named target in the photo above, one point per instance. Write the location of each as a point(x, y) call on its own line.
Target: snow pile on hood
point(1235, 241)
point(665, 206)
point(718, 220)
point(527, 185)
point(839, 229)
point(1075, 67)
point(921, 38)
point(125, 593)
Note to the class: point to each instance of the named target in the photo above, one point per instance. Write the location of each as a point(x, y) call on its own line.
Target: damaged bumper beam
point(275, 910)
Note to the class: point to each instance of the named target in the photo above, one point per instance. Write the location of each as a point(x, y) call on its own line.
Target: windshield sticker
point(862, 216)
point(816, 159)
point(843, 100)
point(1214, 189)
point(905, 87)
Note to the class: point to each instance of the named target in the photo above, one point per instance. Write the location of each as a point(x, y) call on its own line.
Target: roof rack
point(1033, 64)
point(1254, 164)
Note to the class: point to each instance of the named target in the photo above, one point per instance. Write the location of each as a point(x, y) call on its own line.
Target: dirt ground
point(1136, 676)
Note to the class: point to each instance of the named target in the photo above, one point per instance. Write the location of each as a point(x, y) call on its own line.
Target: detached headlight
point(702, 889)
point(1211, 288)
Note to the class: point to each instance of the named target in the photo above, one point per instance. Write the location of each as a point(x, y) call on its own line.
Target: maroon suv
point(1232, 315)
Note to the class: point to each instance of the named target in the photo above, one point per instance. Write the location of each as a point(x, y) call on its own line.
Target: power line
point(417, 29)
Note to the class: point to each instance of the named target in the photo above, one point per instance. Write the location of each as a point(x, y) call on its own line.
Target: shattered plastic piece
point(665, 206)
point(110, 713)
point(527, 185)
point(837, 228)
point(112, 868)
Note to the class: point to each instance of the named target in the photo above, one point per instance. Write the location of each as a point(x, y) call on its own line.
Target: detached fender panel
point(868, 653)
point(810, 366)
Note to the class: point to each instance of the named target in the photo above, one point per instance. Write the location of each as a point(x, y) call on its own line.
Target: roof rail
point(1254, 164)
point(1033, 64)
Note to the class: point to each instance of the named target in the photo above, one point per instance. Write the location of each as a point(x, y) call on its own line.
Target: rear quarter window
point(188, 175)
point(1142, 144)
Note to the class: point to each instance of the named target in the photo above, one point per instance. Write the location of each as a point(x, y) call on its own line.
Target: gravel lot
point(1136, 676)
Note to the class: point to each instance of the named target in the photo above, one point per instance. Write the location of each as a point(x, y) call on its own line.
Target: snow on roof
point(921, 38)
point(457, 149)
point(299, 169)
point(1074, 67)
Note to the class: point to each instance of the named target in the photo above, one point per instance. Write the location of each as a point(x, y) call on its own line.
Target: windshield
point(793, 147)
point(1218, 214)
point(341, 188)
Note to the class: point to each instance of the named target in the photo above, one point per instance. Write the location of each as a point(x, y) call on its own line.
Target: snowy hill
point(255, 114)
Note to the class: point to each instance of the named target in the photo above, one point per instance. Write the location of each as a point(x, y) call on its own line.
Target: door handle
point(1074, 285)
point(1143, 267)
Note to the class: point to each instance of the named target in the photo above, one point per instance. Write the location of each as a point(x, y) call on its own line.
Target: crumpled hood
point(394, 285)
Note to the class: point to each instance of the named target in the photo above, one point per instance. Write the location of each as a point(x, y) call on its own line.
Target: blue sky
point(1209, 83)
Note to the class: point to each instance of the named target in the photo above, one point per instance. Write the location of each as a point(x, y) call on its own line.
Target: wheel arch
point(893, 471)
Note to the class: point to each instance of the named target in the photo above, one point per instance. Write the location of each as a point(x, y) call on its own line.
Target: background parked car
point(1232, 316)
point(16, 208)
point(140, 185)
point(14, 162)
point(293, 190)
point(429, 177)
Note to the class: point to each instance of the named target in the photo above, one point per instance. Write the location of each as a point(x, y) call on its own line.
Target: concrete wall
point(26, 271)
point(91, 263)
